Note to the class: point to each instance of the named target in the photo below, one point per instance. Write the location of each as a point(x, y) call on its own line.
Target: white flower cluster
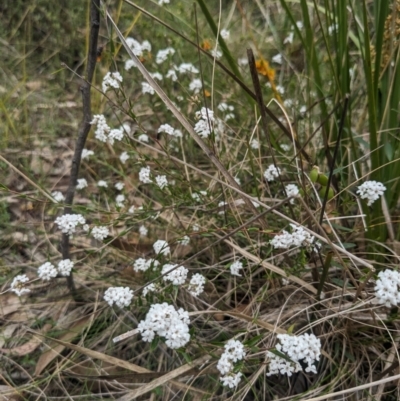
point(306, 347)
point(111, 80)
point(205, 124)
point(124, 157)
point(255, 144)
point(67, 223)
point(162, 55)
point(177, 276)
point(144, 175)
point(271, 173)
point(197, 195)
point(149, 288)
point(81, 183)
point(187, 67)
point(104, 133)
point(170, 130)
point(120, 200)
point(147, 88)
point(387, 288)
point(86, 153)
point(298, 237)
point(234, 351)
point(195, 86)
point(164, 320)
point(100, 233)
point(142, 264)
point(185, 240)
point(143, 231)
point(196, 285)
point(161, 247)
point(292, 190)
point(161, 181)
point(65, 266)
point(120, 296)
point(371, 190)
point(225, 34)
point(58, 196)
point(235, 267)
point(47, 271)
point(228, 109)
point(18, 284)
point(138, 48)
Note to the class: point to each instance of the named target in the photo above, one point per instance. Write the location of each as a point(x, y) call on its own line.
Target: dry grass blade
point(165, 379)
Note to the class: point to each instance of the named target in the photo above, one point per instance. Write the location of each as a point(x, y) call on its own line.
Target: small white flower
point(111, 80)
point(177, 276)
point(306, 348)
point(292, 190)
point(232, 380)
point(195, 86)
point(47, 271)
point(58, 196)
point(280, 89)
point(167, 322)
point(161, 247)
point(102, 184)
point(68, 222)
point(149, 288)
point(100, 233)
point(82, 183)
point(171, 74)
point(387, 288)
point(65, 266)
point(254, 144)
point(120, 296)
point(161, 181)
point(124, 157)
point(143, 138)
point(289, 38)
point(115, 135)
point(120, 200)
point(225, 34)
point(184, 240)
point(162, 55)
point(143, 231)
point(86, 154)
point(371, 191)
point(132, 209)
point(119, 186)
point(102, 129)
point(196, 227)
point(18, 284)
point(147, 88)
point(216, 53)
point(196, 285)
point(129, 64)
point(271, 173)
point(144, 175)
point(187, 67)
point(157, 76)
point(162, 2)
point(236, 267)
point(277, 58)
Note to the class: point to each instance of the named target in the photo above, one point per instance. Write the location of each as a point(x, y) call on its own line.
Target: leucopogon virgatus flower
point(161, 247)
point(143, 265)
point(67, 223)
point(177, 275)
point(305, 348)
point(235, 268)
point(298, 237)
point(196, 284)
point(47, 271)
point(120, 296)
point(111, 80)
point(271, 173)
point(371, 191)
point(234, 351)
point(65, 267)
point(292, 190)
point(387, 288)
point(165, 321)
point(18, 285)
point(100, 233)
